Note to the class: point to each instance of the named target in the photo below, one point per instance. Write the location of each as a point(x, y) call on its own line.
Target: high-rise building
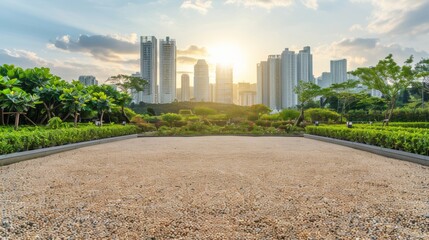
point(167, 70)
point(88, 80)
point(148, 69)
point(325, 80)
point(224, 88)
point(305, 65)
point(212, 93)
point(339, 71)
point(185, 88)
point(289, 79)
point(274, 78)
point(246, 94)
point(201, 81)
point(263, 84)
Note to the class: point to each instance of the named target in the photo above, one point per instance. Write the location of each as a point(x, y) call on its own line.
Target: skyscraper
point(167, 70)
point(289, 79)
point(274, 78)
point(148, 68)
point(224, 76)
point(88, 80)
point(201, 81)
point(339, 71)
point(185, 88)
point(263, 84)
point(305, 65)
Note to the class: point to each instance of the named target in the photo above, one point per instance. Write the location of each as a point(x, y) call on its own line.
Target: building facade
point(274, 79)
point(148, 69)
point(185, 93)
point(167, 70)
point(289, 79)
point(263, 84)
point(224, 82)
point(338, 71)
point(305, 65)
point(201, 81)
point(88, 80)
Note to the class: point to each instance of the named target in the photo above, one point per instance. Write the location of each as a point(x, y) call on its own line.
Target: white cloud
point(366, 51)
point(267, 4)
point(356, 27)
point(398, 17)
point(313, 4)
point(201, 6)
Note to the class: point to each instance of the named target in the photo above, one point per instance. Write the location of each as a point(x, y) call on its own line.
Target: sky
point(101, 37)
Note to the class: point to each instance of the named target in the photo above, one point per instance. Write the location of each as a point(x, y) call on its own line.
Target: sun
point(226, 54)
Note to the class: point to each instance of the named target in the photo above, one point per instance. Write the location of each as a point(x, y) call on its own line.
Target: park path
point(215, 188)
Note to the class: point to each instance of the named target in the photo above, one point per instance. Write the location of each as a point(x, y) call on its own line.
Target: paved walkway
point(215, 188)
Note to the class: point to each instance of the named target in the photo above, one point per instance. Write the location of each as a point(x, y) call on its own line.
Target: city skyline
point(102, 38)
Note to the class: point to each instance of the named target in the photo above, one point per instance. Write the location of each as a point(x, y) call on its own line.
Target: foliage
point(306, 91)
point(322, 115)
point(55, 123)
point(204, 111)
point(170, 118)
point(289, 114)
point(259, 109)
point(399, 115)
point(413, 142)
point(185, 112)
point(389, 78)
point(35, 138)
point(127, 83)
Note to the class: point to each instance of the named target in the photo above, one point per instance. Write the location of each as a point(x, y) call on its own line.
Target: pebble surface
point(214, 188)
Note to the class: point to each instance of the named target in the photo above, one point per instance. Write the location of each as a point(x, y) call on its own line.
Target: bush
point(55, 123)
point(289, 114)
point(413, 142)
point(263, 123)
point(204, 111)
point(40, 138)
point(185, 112)
point(322, 115)
point(270, 117)
point(171, 118)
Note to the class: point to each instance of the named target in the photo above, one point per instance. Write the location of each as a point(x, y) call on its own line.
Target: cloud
point(367, 51)
point(313, 4)
point(193, 50)
point(201, 6)
point(109, 48)
point(267, 4)
point(67, 69)
point(398, 17)
point(187, 60)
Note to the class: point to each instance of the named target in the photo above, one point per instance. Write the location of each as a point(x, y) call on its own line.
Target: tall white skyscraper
point(339, 71)
point(201, 81)
point(263, 84)
point(224, 81)
point(185, 88)
point(305, 65)
point(167, 70)
point(289, 79)
point(148, 69)
point(274, 78)
point(88, 80)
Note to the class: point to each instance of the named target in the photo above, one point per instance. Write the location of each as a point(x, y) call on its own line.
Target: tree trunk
point(2, 116)
point(342, 112)
point(67, 116)
point(76, 116)
point(389, 112)
point(17, 120)
point(124, 115)
point(47, 111)
point(300, 118)
point(101, 118)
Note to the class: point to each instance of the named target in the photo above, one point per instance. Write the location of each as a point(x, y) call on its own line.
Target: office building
point(305, 65)
point(185, 94)
point(289, 79)
point(201, 81)
point(148, 69)
point(224, 81)
point(88, 80)
point(339, 71)
point(167, 70)
point(263, 84)
point(212, 92)
point(274, 78)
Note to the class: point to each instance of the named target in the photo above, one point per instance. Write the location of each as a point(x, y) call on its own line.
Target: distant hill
point(177, 106)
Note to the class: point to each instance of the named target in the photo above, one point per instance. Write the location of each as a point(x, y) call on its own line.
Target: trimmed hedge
point(18, 141)
point(399, 140)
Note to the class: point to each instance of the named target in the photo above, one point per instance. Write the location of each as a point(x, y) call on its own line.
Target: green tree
point(345, 94)
point(259, 110)
point(17, 101)
point(389, 78)
point(204, 111)
point(102, 103)
point(74, 101)
point(128, 83)
point(306, 92)
point(422, 69)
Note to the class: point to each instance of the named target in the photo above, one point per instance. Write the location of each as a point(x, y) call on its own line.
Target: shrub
point(289, 114)
point(270, 117)
point(322, 115)
point(185, 112)
point(171, 118)
point(263, 123)
point(55, 123)
point(204, 111)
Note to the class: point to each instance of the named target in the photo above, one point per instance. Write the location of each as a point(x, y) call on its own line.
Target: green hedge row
point(399, 115)
point(392, 128)
point(399, 140)
point(18, 141)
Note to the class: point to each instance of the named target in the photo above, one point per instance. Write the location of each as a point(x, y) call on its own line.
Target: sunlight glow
point(228, 54)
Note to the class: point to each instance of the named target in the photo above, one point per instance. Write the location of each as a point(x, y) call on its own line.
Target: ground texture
point(214, 188)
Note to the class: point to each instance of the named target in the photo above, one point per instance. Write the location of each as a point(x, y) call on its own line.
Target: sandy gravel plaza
point(214, 188)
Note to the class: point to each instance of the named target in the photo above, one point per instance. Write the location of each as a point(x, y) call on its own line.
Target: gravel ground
point(215, 188)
